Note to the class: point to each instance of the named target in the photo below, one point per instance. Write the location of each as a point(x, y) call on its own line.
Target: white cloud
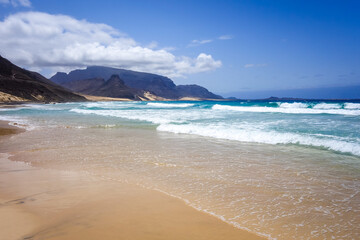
point(15, 3)
point(196, 42)
point(225, 37)
point(41, 40)
point(250, 65)
point(199, 42)
point(202, 41)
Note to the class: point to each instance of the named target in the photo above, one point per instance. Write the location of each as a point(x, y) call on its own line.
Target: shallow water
point(283, 190)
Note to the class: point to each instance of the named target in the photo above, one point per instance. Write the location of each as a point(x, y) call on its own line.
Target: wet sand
point(38, 203)
point(6, 129)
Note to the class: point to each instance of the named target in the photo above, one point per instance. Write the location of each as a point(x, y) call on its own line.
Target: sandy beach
point(38, 203)
point(188, 120)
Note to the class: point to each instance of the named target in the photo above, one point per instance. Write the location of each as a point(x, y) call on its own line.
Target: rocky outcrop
point(17, 84)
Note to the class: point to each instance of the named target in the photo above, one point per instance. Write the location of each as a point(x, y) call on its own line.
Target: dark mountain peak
point(5, 67)
point(113, 87)
point(115, 79)
point(58, 77)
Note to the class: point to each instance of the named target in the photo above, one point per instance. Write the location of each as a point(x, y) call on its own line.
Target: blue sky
point(226, 46)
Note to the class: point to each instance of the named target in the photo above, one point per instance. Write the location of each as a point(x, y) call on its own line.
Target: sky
point(235, 47)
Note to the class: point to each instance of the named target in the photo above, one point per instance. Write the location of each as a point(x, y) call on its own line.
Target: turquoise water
point(283, 170)
point(331, 126)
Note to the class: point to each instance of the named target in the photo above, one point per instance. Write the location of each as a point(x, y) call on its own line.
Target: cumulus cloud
point(42, 40)
point(15, 3)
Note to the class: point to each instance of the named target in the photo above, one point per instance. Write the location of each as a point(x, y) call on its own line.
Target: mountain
point(195, 91)
point(85, 86)
point(155, 84)
point(17, 84)
point(113, 87)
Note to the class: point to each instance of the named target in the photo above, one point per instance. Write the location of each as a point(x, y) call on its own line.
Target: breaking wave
point(170, 105)
point(298, 108)
point(267, 137)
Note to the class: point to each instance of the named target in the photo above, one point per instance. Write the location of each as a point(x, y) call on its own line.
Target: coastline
point(54, 204)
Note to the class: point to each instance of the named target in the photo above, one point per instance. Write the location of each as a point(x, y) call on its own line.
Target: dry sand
point(40, 203)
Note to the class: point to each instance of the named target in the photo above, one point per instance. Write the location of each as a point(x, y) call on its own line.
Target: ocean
point(284, 170)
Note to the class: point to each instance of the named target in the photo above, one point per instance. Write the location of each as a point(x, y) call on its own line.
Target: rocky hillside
point(17, 84)
point(137, 81)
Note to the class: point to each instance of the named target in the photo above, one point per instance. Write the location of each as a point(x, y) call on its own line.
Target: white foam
point(10, 109)
point(170, 105)
point(352, 105)
point(286, 110)
point(18, 122)
point(210, 123)
point(261, 136)
point(156, 116)
point(110, 105)
point(327, 106)
point(98, 104)
point(45, 107)
point(142, 116)
point(293, 105)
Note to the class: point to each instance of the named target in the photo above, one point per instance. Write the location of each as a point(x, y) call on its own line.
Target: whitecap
point(170, 105)
point(293, 105)
point(286, 110)
point(327, 106)
point(352, 105)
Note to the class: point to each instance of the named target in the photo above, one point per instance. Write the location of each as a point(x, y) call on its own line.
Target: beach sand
point(38, 203)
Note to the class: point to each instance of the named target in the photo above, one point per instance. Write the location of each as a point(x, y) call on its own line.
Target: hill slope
point(17, 84)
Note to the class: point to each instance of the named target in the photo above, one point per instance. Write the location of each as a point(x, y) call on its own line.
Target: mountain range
point(102, 81)
point(19, 85)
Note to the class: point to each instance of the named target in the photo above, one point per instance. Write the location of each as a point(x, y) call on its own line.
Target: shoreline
point(59, 204)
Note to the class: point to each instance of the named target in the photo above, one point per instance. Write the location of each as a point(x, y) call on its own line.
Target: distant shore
point(53, 204)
